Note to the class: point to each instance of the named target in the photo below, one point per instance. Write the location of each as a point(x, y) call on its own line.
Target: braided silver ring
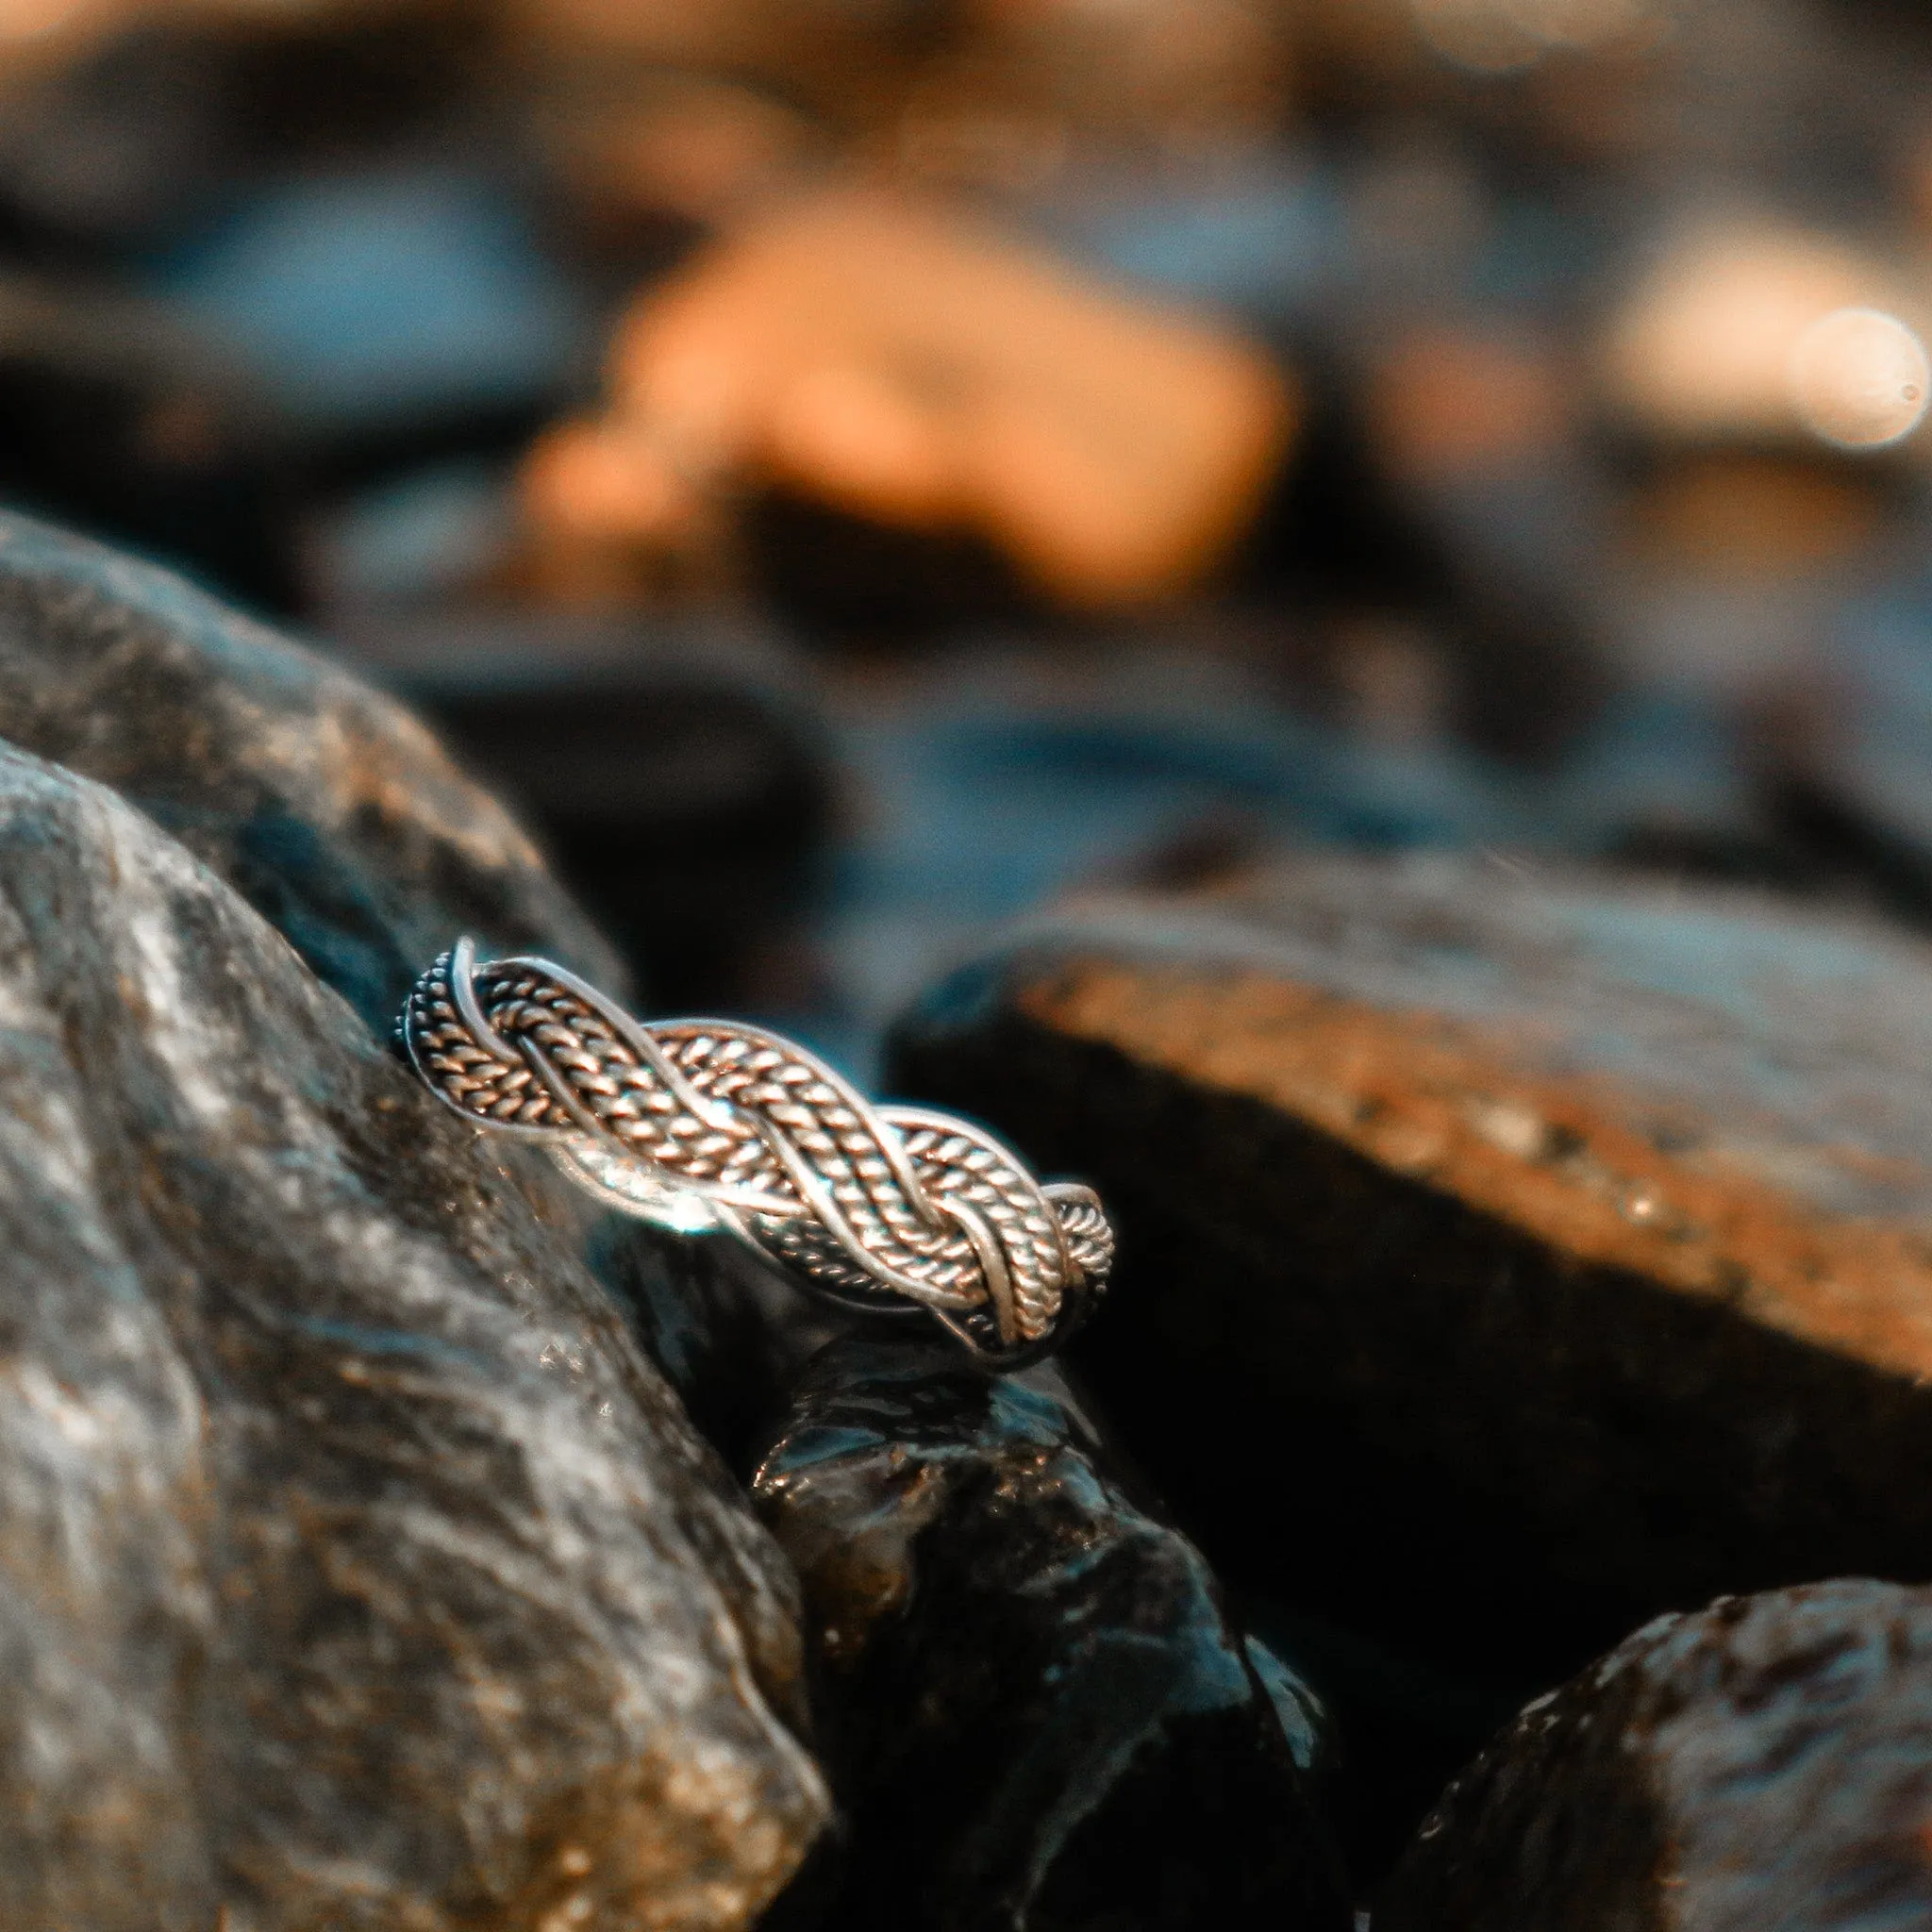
point(703, 1124)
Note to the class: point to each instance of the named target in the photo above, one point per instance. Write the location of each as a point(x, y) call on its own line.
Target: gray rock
point(326, 804)
point(1766, 1763)
point(355, 1569)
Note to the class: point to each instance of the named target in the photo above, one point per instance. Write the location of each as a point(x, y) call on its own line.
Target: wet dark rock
point(359, 1570)
point(1407, 1721)
point(1767, 1761)
point(675, 773)
point(136, 134)
point(1505, 1259)
point(115, 418)
point(1044, 1716)
point(837, 576)
point(326, 804)
point(1849, 785)
point(729, 1334)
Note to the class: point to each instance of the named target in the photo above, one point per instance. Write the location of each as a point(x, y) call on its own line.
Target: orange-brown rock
point(897, 360)
point(1505, 1258)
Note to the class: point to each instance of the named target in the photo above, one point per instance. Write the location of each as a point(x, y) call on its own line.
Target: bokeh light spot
point(1858, 378)
point(1503, 36)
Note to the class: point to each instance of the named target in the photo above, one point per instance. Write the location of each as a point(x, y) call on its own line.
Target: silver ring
point(710, 1124)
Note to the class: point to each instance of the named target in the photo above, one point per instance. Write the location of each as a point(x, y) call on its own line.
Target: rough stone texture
point(1765, 1763)
point(1045, 1719)
point(1504, 1258)
point(359, 1572)
point(324, 803)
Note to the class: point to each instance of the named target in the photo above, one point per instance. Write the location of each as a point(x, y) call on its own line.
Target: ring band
point(701, 1124)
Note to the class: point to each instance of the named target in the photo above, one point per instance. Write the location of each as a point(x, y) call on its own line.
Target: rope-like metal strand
point(712, 1123)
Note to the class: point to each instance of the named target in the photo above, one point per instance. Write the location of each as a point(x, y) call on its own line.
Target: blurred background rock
point(1114, 437)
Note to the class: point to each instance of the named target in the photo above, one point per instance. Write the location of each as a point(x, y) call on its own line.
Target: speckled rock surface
point(1578, 1233)
point(1765, 1763)
point(324, 803)
point(1044, 1719)
point(358, 1571)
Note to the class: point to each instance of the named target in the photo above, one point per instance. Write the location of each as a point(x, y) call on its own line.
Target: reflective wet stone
point(1044, 1717)
point(359, 1570)
point(1767, 1761)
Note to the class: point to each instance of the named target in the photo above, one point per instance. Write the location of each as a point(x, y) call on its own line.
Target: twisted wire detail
point(712, 1123)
